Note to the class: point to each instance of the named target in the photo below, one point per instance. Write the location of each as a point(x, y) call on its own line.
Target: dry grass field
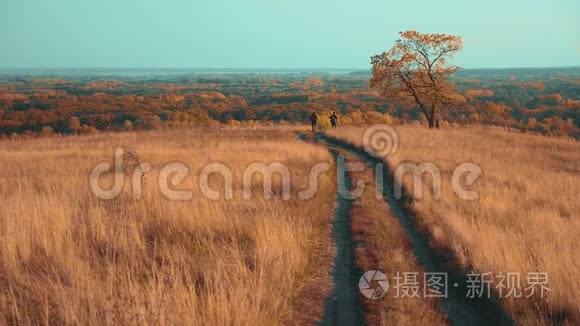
point(527, 216)
point(67, 257)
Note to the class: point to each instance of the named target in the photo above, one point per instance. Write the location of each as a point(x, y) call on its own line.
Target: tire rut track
point(344, 306)
point(459, 309)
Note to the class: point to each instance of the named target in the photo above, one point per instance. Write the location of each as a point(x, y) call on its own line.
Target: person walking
point(313, 120)
point(333, 119)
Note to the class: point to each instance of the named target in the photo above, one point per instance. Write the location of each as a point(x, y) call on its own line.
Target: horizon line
point(268, 68)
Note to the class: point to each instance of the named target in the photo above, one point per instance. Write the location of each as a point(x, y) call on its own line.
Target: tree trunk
point(429, 118)
point(432, 117)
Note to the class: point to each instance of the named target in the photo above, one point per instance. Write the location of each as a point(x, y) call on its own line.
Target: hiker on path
point(313, 119)
point(333, 119)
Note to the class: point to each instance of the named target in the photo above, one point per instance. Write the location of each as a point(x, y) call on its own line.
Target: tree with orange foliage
point(416, 71)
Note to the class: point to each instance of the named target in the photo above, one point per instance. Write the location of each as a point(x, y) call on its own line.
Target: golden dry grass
point(527, 217)
point(67, 257)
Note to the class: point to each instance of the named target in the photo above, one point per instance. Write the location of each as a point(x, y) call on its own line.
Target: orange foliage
point(416, 70)
point(472, 93)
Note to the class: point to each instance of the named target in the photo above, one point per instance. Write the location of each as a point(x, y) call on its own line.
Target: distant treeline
point(540, 100)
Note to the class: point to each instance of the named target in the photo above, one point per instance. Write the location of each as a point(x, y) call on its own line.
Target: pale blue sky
point(278, 33)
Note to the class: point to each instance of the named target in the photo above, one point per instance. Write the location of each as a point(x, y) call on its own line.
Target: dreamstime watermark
point(374, 284)
point(173, 175)
point(379, 141)
point(118, 172)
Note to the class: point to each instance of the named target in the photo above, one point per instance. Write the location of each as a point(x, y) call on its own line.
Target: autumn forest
point(42, 103)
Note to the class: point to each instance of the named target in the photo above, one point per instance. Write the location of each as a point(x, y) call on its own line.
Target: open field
point(525, 220)
point(67, 257)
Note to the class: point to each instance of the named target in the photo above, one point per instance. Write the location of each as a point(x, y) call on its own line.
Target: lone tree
point(416, 70)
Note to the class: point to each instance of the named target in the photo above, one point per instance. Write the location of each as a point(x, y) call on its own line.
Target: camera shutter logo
point(373, 284)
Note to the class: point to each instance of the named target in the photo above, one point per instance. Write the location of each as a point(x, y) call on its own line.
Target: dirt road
point(344, 307)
